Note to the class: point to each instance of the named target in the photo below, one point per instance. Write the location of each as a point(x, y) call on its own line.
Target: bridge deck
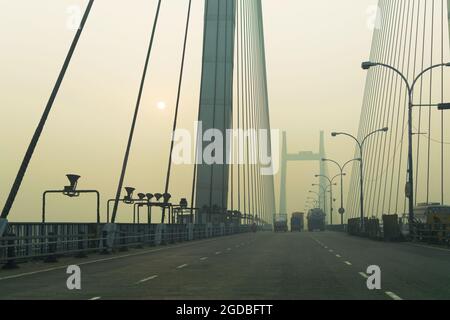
point(247, 266)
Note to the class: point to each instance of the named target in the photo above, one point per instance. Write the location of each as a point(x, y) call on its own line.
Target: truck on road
point(280, 223)
point(297, 222)
point(316, 220)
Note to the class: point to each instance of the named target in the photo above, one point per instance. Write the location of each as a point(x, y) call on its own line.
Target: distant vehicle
point(281, 224)
point(427, 214)
point(297, 222)
point(432, 213)
point(316, 220)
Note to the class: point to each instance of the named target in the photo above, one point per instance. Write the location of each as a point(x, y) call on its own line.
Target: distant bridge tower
point(301, 156)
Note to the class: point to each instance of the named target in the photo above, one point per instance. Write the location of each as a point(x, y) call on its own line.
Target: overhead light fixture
point(184, 203)
point(367, 65)
point(141, 196)
point(129, 196)
point(71, 189)
point(444, 106)
point(167, 197)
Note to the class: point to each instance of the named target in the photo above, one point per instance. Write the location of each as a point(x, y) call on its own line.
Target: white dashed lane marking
point(95, 298)
point(393, 296)
point(182, 266)
point(347, 263)
point(204, 258)
point(148, 279)
point(362, 274)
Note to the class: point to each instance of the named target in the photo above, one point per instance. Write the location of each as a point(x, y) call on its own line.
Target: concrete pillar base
point(190, 232)
point(108, 237)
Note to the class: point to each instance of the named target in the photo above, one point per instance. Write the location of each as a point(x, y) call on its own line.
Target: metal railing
point(27, 241)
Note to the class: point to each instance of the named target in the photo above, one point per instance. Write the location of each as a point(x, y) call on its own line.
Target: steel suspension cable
point(136, 112)
point(177, 106)
point(40, 127)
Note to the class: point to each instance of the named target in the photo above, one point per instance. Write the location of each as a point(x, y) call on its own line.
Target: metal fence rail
point(27, 241)
point(394, 230)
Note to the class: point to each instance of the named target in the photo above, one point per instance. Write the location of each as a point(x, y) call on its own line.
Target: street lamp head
point(386, 129)
point(184, 203)
point(166, 197)
point(367, 65)
point(141, 196)
point(149, 196)
point(71, 190)
point(129, 195)
point(444, 106)
point(73, 179)
point(334, 134)
point(447, 64)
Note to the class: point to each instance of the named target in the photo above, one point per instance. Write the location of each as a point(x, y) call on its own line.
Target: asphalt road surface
point(297, 266)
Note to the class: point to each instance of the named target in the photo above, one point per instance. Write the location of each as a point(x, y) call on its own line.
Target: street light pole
point(314, 202)
point(410, 87)
point(331, 192)
point(361, 144)
point(324, 191)
point(324, 199)
point(341, 169)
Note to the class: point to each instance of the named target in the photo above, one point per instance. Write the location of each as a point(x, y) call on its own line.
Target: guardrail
point(392, 229)
point(25, 241)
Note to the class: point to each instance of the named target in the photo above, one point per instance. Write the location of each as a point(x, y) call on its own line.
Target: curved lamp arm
point(420, 75)
point(372, 133)
point(349, 135)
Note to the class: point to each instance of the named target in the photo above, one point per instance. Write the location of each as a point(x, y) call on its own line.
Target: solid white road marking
point(347, 263)
point(393, 296)
point(182, 266)
point(95, 298)
point(365, 276)
point(147, 279)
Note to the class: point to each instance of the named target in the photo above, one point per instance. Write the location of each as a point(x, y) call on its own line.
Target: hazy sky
point(314, 50)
